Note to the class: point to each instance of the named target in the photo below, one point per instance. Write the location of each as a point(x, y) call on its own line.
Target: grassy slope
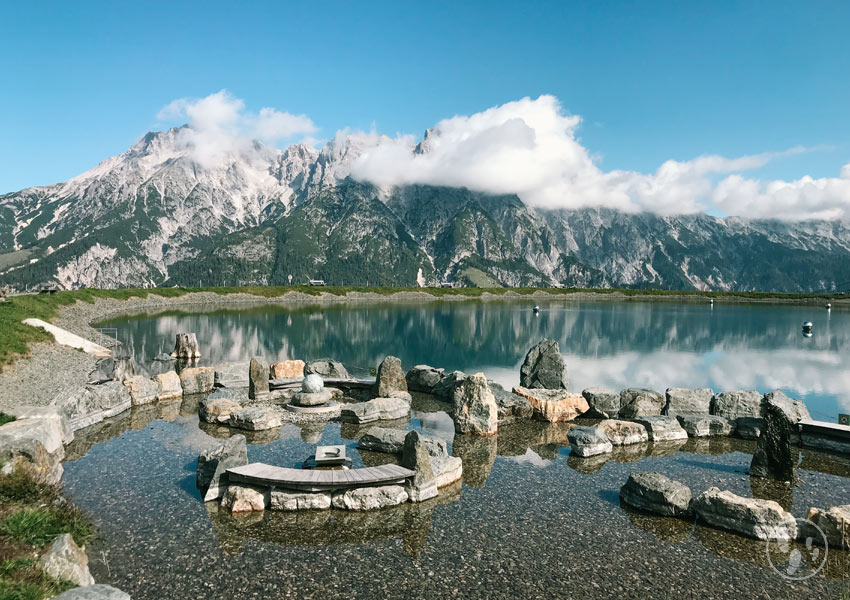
point(15, 337)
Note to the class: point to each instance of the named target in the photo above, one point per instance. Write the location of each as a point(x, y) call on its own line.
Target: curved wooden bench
point(314, 480)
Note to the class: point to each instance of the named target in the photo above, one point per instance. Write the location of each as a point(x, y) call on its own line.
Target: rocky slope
point(155, 216)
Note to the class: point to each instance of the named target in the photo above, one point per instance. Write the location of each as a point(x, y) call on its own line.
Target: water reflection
point(611, 344)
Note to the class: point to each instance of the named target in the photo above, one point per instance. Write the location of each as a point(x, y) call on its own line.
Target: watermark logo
point(797, 561)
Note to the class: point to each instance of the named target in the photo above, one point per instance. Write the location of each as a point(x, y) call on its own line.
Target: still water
point(610, 344)
point(529, 519)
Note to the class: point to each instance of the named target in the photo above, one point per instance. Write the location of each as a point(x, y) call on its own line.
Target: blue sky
point(651, 80)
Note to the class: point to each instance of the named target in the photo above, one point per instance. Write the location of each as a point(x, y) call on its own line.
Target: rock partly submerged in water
point(423, 378)
point(370, 498)
point(662, 429)
point(255, 418)
point(657, 494)
point(775, 457)
point(377, 409)
point(475, 408)
point(641, 402)
point(602, 403)
point(589, 441)
point(211, 477)
point(623, 433)
point(554, 406)
point(704, 425)
point(197, 380)
point(760, 519)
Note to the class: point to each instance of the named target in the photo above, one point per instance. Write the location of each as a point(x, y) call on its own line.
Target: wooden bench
point(313, 480)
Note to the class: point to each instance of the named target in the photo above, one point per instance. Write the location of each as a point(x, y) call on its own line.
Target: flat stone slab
point(656, 493)
point(662, 429)
point(760, 519)
point(254, 418)
point(623, 433)
point(391, 441)
point(331, 409)
point(379, 409)
point(589, 441)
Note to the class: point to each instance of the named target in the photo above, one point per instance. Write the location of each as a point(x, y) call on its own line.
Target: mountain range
point(156, 215)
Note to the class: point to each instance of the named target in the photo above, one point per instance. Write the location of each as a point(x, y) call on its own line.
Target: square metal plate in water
point(330, 455)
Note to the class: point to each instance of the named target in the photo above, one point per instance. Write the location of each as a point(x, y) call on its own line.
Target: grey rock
point(245, 498)
point(312, 384)
point(390, 378)
point(255, 418)
point(623, 433)
point(662, 429)
point(294, 500)
point(544, 367)
point(313, 399)
point(793, 409)
point(738, 404)
point(56, 421)
point(823, 442)
point(640, 402)
point(142, 390)
point(370, 498)
point(749, 428)
point(446, 387)
point(258, 379)
point(475, 408)
point(217, 409)
point(65, 561)
point(760, 519)
point(391, 441)
point(835, 524)
point(447, 469)
point(512, 407)
point(197, 380)
point(168, 385)
point(378, 409)
point(415, 456)
point(163, 357)
point(704, 425)
point(95, 403)
point(211, 477)
point(186, 346)
point(113, 369)
point(93, 592)
point(423, 378)
point(603, 403)
point(774, 457)
point(327, 368)
point(682, 401)
point(657, 494)
point(232, 375)
point(588, 441)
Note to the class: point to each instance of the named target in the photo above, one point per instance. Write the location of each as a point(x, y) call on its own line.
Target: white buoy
point(536, 308)
point(807, 328)
point(828, 306)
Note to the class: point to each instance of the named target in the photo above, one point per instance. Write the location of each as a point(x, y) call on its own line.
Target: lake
point(529, 520)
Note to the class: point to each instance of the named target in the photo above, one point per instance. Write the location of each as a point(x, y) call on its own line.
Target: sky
point(649, 104)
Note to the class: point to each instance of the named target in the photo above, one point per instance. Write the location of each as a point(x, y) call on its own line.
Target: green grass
point(16, 338)
point(4, 418)
point(39, 526)
point(22, 579)
point(19, 488)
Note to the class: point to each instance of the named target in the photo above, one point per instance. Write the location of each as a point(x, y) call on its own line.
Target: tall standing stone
point(390, 381)
point(186, 346)
point(415, 456)
point(211, 477)
point(258, 379)
point(475, 408)
point(544, 367)
point(774, 457)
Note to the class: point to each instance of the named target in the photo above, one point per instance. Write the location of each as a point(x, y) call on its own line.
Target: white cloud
point(219, 125)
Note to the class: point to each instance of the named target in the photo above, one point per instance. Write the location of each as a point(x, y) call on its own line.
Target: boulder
point(704, 425)
point(657, 494)
point(682, 401)
point(793, 409)
point(378, 409)
point(211, 477)
point(554, 406)
point(231, 375)
point(313, 399)
point(113, 369)
point(28, 454)
point(287, 369)
point(760, 519)
point(93, 592)
point(142, 390)
point(602, 403)
point(197, 380)
point(245, 498)
point(475, 409)
point(94, 403)
point(588, 441)
point(217, 410)
point(370, 498)
point(390, 379)
point(327, 368)
point(544, 367)
point(662, 429)
point(640, 402)
point(423, 378)
point(65, 561)
point(446, 386)
point(512, 407)
point(774, 457)
point(186, 346)
point(55, 417)
point(294, 500)
point(254, 418)
point(415, 456)
point(447, 469)
point(835, 524)
point(623, 433)
point(749, 428)
point(738, 404)
point(391, 441)
point(258, 379)
point(168, 386)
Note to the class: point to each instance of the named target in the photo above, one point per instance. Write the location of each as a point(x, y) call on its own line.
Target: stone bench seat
point(825, 428)
point(823, 435)
point(311, 480)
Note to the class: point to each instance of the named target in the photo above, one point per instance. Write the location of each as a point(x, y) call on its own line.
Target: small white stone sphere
point(312, 384)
